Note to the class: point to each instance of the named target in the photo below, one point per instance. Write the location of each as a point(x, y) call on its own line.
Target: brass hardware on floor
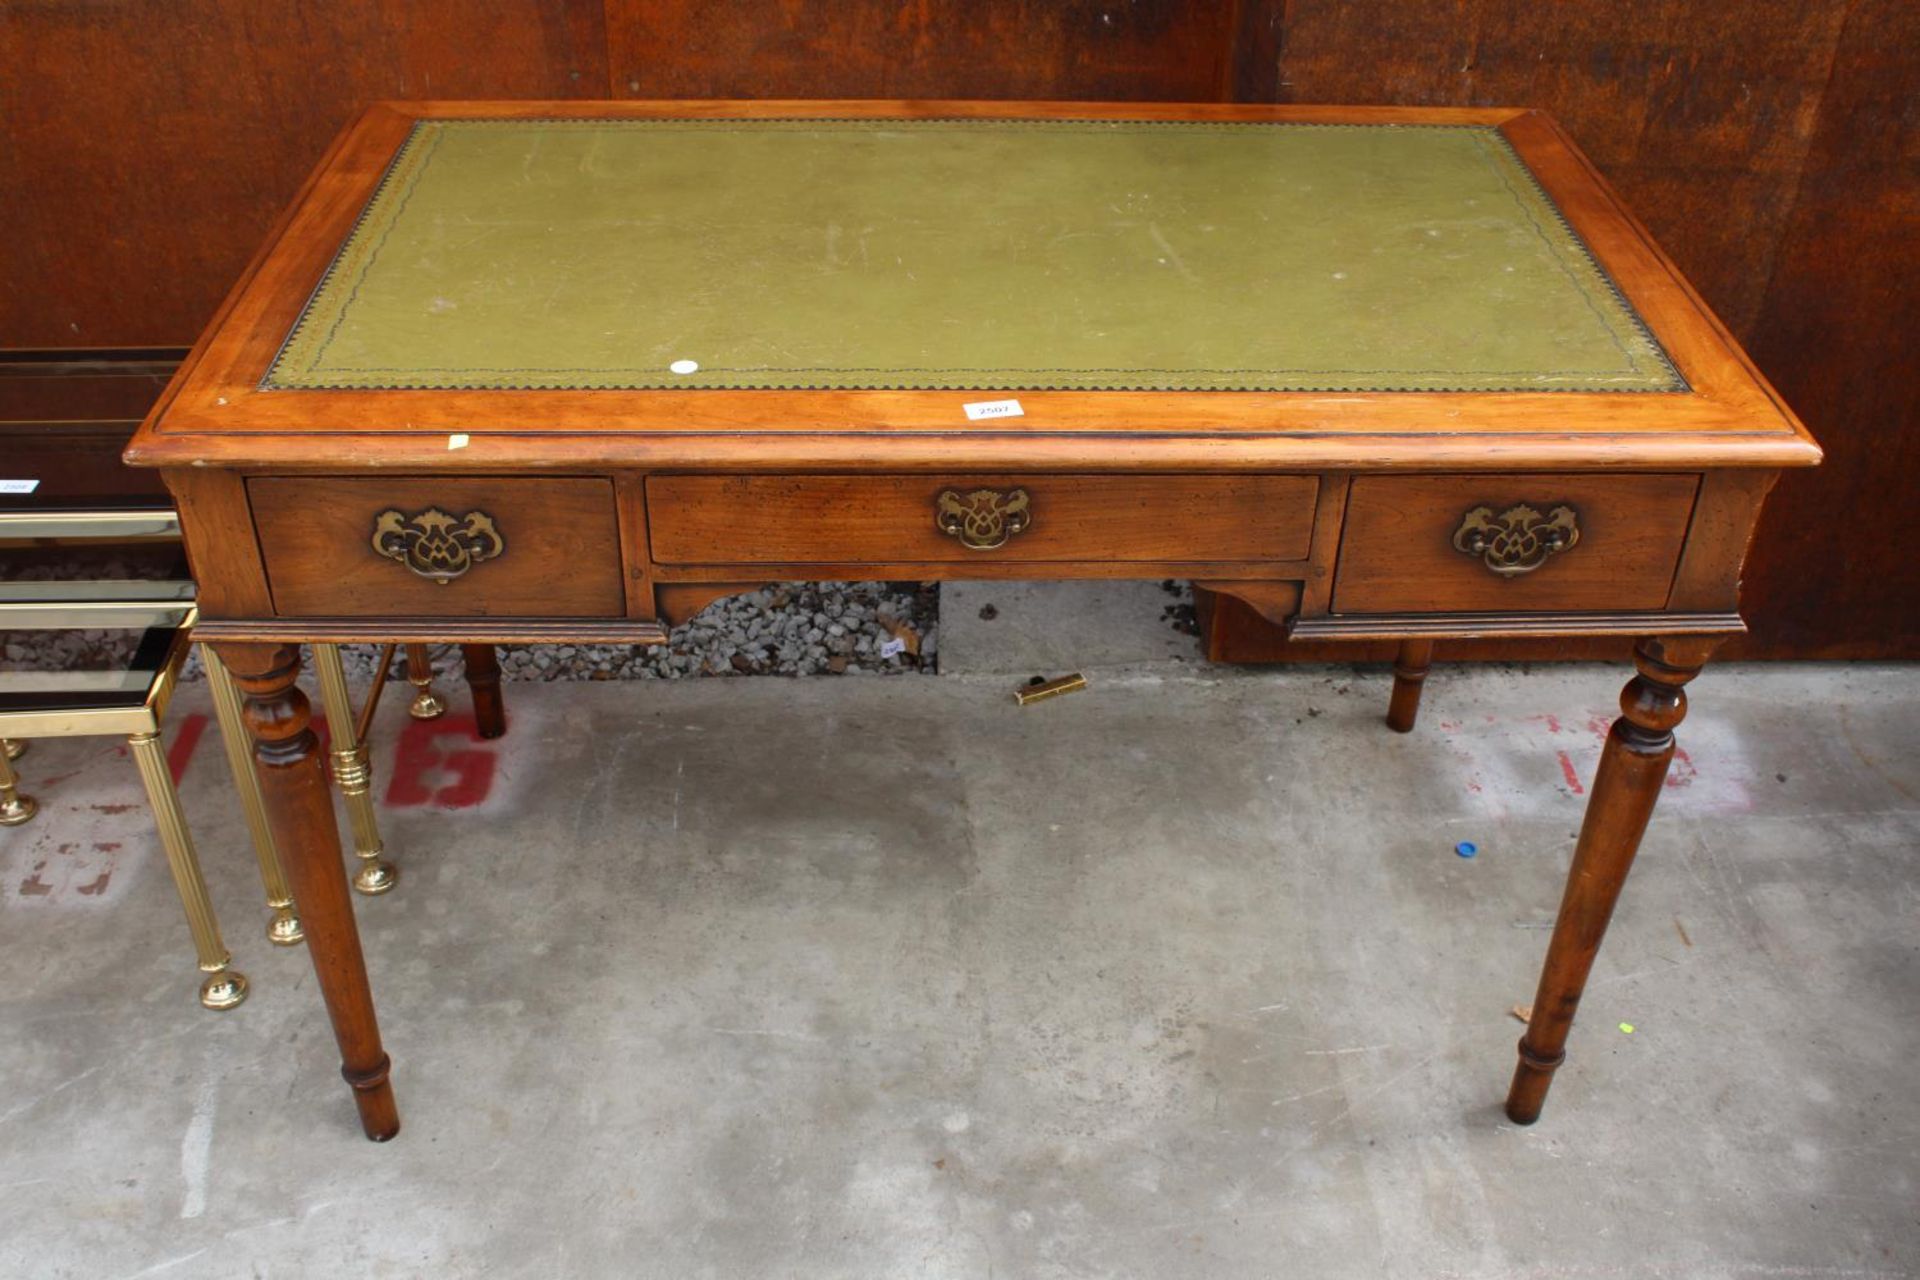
point(1049, 689)
point(435, 544)
point(353, 773)
point(1518, 540)
point(985, 518)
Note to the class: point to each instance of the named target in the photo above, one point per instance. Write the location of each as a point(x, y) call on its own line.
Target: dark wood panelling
point(1833, 572)
point(147, 148)
point(1144, 50)
point(1699, 113)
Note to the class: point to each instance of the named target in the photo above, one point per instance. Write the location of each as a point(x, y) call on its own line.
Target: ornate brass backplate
point(436, 545)
point(1519, 539)
point(985, 518)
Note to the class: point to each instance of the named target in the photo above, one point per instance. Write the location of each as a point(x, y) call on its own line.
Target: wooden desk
point(567, 371)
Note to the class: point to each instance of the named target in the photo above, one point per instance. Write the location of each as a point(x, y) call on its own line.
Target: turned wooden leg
point(300, 807)
point(1409, 674)
point(1633, 766)
point(483, 680)
point(426, 704)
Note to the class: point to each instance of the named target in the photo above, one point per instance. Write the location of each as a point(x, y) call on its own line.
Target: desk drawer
point(465, 546)
point(971, 518)
point(1495, 543)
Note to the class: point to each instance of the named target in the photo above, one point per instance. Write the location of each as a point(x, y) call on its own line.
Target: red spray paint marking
point(1572, 776)
point(418, 755)
point(185, 742)
point(1681, 773)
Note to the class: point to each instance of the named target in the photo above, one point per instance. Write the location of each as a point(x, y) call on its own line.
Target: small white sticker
point(457, 441)
point(993, 409)
point(893, 647)
point(685, 366)
point(18, 486)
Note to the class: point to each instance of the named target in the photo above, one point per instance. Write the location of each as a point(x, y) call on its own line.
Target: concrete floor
point(887, 978)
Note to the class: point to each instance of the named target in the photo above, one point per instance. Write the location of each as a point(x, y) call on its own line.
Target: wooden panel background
point(147, 147)
point(1771, 147)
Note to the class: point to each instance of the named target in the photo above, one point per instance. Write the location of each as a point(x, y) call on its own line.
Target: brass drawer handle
point(1519, 539)
point(436, 545)
point(985, 518)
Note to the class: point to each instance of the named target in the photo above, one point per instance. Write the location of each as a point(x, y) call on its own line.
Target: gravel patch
point(787, 629)
point(782, 629)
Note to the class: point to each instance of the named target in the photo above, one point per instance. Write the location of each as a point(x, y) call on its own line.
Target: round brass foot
point(223, 990)
point(284, 929)
point(16, 809)
point(16, 748)
point(427, 705)
point(376, 877)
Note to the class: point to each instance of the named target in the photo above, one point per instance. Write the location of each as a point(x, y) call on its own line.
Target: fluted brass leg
point(224, 987)
point(12, 748)
point(426, 704)
point(14, 807)
point(283, 926)
point(352, 772)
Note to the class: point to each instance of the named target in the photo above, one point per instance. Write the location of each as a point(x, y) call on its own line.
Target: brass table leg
point(224, 987)
point(426, 704)
point(301, 812)
point(1409, 675)
point(353, 773)
point(283, 926)
point(1633, 766)
point(13, 748)
point(14, 807)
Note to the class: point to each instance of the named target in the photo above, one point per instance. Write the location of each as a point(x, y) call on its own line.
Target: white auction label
point(993, 409)
point(18, 486)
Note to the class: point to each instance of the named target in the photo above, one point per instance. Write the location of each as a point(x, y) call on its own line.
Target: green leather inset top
point(988, 254)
